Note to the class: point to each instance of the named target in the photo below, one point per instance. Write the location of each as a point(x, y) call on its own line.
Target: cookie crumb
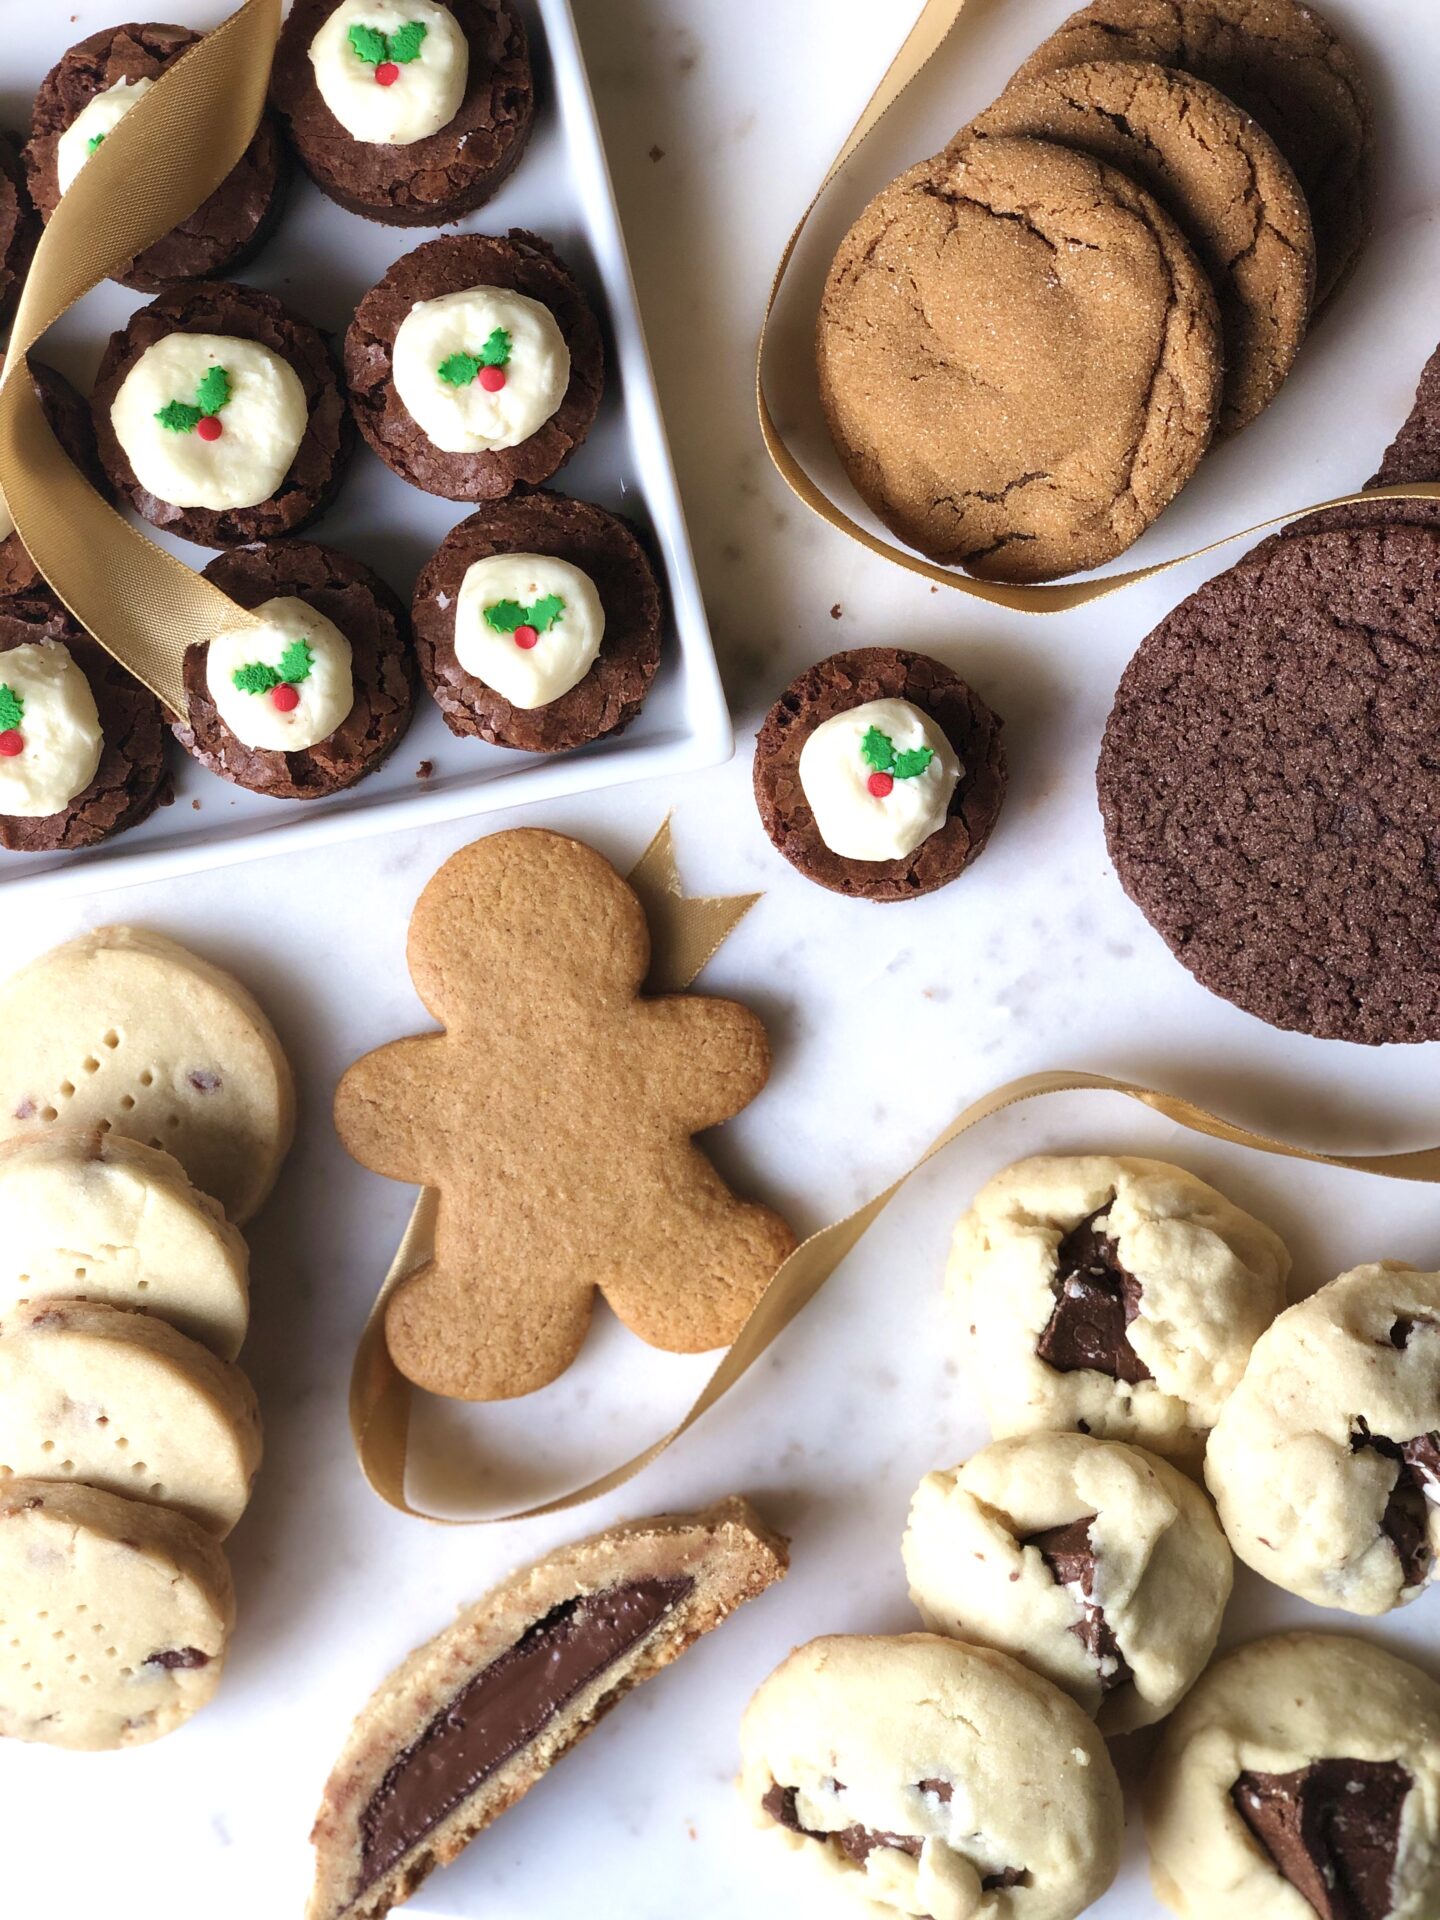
point(836, 611)
point(657, 153)
point(425, 769)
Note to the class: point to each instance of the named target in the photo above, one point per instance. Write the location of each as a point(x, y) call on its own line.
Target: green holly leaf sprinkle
point(297, 662)
point(505, 616)
point(915, 761)
point(94, 144)
point(255, 679)
point(496, 350)
point(404, 44)
point(12, 709)
point(367, 44)
point(213, 391)
point(878, 750)
point(543, 615)
point(177, 416)
point(459, 369)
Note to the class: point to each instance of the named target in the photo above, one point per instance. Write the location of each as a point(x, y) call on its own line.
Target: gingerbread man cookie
point(554, 1115)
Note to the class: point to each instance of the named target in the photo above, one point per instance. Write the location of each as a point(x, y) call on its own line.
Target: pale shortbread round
point(1200, 1282)
point(125, 1403)
point(1325, 1463)
point(114, 1617)
point(920, 1776)
point(1125, 1635)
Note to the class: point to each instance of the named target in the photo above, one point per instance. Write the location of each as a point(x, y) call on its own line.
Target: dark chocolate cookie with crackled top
point(85, 96)
point(321, 695)
point(220, 416)
point(879, 774)
point(19, 229)
point(69, 417)
point(538, 624)
point(1269, 784)
point(408, 112)
point(82, 744)
point(476, 365)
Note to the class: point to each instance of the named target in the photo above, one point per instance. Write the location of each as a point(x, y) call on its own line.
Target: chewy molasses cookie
point(219, 415)
point(879, 774)
point(19, 230)
point(1219, 176)
point(1270, 788)
point(406, 111)
point(69, 417)
point(318, 699)
point(537, 624)
point(1019, 359)
point(476, 365)
point(88, 92)
point(82, 744)
point(1281, 62)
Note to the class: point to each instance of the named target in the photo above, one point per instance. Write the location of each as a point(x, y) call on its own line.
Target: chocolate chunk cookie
point(19, 230)
point(1019, 359)
point(1269, 786)
point(858, 681)
point(228, 228)
point(69, 417)
point(1219, 176)
point(401, 172)
point(1283, 64)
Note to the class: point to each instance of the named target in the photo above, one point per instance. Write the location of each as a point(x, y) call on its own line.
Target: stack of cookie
point(136, 1082)
point(1027, 342)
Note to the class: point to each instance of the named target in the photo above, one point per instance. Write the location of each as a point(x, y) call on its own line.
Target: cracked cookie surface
point(1019, 359)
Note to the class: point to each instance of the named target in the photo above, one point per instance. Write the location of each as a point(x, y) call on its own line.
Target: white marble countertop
point(720, 121)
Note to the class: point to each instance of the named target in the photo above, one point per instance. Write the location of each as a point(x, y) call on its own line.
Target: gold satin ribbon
point(937, 21)
point(163, 160)
point(685, 934)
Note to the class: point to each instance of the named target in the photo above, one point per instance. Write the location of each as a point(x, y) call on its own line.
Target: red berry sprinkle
point(12, 743)
point(525, 638)
point(492, 379)
point(880, 784)
point(210, 427)
point(285, 697)
point(386, 74)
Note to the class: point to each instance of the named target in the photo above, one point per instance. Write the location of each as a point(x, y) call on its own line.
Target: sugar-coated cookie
point(124, 1402)
point(1094, 1563)
point(125, 1031)
point(93, 1216)
point(1325, 1461)
point(529, 947)
point(1301, 1776)
point(1119, 1296)
point(927, 1777)
point(474, 1718)
point(114, 1617)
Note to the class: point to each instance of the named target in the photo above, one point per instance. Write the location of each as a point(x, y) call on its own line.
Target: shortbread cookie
point(125, 1031)
point(1118, 1296)
point(93, 1216)
point(473, 1719)
point(1325, 1462)
point(926, 1777)
point(1219, 176)
point(124, 1402)
point(529, 947)
point(1093, 1563)
point(1019, 359)
point(114, 1617)
point(1301, 1776)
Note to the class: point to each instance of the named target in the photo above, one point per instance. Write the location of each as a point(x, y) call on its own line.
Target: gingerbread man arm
point(708, 1058)
point(390, 1109)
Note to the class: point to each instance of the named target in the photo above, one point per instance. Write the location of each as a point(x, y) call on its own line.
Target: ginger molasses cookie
point(879, 773)
point(406, 111)
point(220, 416)
point(476, 365)
point(88, 92)
point(19, 230)
point(69, 417)
point(82, 744)
point(1019, 359)
point(1270, 790)
point(537, 624)
point(1217, 173)
point(322, 696)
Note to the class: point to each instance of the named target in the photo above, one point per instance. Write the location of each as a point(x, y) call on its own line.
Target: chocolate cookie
point(324, 441)
point(424, 181)
point(19, 230)
point(125, 785)
point(69, 417)
point(1219, 176)
point(371, 619)
point(1270, 789)
point(1019, 359)
point(607, 552)
point(520, 264)
point(855, 679)
point(222, 233)
point(1281, 62)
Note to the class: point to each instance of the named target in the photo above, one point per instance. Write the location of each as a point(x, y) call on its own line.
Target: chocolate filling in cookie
point(1070, 1555)
point(1406, 1519)
point(503, 1709)
point(1096, 1299)
point(858, 1843)
point(69, 417)
point(1332, 1829)
point(19, 230)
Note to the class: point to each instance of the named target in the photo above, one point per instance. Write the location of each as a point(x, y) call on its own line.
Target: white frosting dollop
point(564, 649)
point(835, 773)
point(425, 92)
point(98, 117)
point(261, 424)
point(467, 417)
point(325, 695)
point(59, 731)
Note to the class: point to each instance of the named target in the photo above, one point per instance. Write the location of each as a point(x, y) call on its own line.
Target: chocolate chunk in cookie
point(1069, 1553)
point(1333, 1830)
point(1095, 1302)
